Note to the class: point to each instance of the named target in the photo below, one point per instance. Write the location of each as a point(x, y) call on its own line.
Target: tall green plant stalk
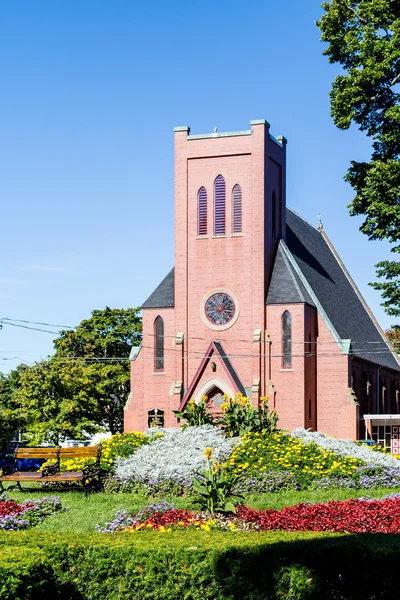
point(215, 489)
point(196, 414)
point(240, 417)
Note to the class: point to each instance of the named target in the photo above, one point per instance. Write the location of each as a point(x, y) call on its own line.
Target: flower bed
point(357, 515)
point(260, 452)
point(14, 515)
point(176, 457)
point(346, 448)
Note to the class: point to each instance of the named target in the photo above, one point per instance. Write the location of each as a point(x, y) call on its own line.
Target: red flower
point(354, 515)
point(10, 507)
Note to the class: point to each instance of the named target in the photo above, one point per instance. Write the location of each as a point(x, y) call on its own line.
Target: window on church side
point(273, 216)
point(202, 211)
point(219, 206)
point(159, 344)
point(309, 346)
point(237, 209)
point(286, 340)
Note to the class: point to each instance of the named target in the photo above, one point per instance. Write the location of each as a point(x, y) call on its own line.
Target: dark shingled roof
point(335, 292)
point(230, 368)
point(164, 295)
point(286, 286)
point(327, 280)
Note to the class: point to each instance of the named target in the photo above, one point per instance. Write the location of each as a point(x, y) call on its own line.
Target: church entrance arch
point(214, 389)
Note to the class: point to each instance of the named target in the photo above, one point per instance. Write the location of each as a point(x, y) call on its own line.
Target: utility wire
point(37, 323)
point(13, 323)
point(32, 328)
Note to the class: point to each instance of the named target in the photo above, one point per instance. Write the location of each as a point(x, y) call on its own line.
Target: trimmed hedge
point(193, 565)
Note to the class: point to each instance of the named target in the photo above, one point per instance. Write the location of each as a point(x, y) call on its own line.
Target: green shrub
point(198, 566)
point(195, 414)
point(240, 417)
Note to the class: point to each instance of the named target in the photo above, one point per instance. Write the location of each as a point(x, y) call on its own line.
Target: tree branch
point(389, 85)
point(353, 10)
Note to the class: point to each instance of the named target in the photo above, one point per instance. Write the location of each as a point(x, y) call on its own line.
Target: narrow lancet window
point(219, 206)
point(237, 209)
point(286, 340)
point(159, 344)
point(202, 212)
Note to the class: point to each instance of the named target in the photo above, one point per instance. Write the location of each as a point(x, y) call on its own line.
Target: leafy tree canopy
point(84, 386)
point(363, 36)
point(11, 416)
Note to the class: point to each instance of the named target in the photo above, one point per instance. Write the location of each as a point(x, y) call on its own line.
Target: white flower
point(176, 456)
point(347, 448)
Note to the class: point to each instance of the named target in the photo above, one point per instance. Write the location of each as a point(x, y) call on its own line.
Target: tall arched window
point(159, 344)
point(202, 211)
point(237, 209)
point(273, 215)
point(219, 206)
point(286, 340)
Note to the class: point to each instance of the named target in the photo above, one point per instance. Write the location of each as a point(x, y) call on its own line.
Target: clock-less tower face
point(219, 309)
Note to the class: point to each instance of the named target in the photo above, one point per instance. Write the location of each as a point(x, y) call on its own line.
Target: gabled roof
point(308, 269)
point(230, 368)
point(164, 295)
point(336, 292)
point(214, 349)
point(286, 287)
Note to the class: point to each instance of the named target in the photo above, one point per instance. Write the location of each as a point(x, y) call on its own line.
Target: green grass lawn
point(83, 514)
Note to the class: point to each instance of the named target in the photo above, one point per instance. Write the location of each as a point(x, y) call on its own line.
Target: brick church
point(259, 302)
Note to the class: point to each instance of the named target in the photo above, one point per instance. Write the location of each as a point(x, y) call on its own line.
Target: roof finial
point(320, 226)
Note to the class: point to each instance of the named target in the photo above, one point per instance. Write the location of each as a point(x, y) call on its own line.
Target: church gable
point(224, 365)
point(285, 286)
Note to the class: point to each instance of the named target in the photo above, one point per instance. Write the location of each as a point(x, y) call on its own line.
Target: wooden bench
point(89, 477)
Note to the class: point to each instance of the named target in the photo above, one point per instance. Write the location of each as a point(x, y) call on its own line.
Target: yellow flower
point(208, 453)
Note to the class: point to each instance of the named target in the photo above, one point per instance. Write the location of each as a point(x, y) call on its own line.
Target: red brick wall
point(150, 389)
point(289, 383)
point(337, 415)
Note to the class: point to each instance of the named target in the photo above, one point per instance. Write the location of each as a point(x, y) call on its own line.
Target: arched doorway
point(213, 387)
point(215, 399)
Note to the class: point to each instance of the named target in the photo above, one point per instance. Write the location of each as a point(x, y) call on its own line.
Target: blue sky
point(90, 94)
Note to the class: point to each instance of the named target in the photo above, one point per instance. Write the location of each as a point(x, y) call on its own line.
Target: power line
point(13, 322)
point(31, 328)
point(37, 323)
point(201, 355)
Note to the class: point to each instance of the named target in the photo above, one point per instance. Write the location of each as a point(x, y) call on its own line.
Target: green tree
point(84, 386)
point(363, 37)
point(11, 416)
point(57, 399)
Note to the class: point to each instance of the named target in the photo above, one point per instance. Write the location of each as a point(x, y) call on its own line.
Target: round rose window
point(219, 309)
